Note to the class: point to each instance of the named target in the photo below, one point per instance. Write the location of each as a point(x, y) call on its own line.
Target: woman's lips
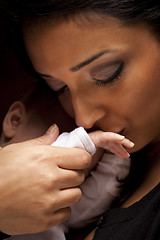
point(121, 132)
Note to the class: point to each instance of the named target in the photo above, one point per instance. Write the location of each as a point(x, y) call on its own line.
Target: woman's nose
point(87, 113)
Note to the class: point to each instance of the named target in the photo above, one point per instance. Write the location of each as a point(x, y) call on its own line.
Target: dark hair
point(15, 12)
point(129, 11)
point(35, 93)
point(42, 105)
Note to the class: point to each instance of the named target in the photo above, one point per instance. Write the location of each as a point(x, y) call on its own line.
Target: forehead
point(69, 42)
point(70, 29)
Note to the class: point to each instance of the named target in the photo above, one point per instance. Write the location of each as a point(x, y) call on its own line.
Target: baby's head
point(33, 112)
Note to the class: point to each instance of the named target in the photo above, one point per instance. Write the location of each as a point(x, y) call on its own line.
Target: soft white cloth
point(78, 138)
point(98, 190)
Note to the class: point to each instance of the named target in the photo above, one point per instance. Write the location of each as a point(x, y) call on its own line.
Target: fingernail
point(131, 144)
point(51, 129)
point(121, 136)
point(128, 155)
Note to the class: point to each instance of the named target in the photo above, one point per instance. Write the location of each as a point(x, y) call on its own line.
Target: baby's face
point(35, 122)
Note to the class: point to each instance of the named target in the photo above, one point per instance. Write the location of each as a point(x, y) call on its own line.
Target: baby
point(31, 116)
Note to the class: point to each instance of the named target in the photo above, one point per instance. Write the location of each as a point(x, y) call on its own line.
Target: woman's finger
point(65, 198)
point(71, 178)
point(72, 158)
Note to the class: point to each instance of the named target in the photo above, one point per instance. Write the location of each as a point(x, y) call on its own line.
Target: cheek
point(142, 107)
point(140, 87)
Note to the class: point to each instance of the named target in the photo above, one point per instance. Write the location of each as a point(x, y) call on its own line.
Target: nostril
point(83, 123)
point(87, 113)
point(89, 119)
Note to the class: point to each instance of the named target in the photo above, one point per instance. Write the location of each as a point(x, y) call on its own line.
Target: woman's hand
point(38, 183)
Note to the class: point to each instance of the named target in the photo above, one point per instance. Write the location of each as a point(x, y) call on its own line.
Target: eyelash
point(104, 82)
point(62, 90)
point(110, 80)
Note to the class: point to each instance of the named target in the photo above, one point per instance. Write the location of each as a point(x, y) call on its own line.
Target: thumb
point(48, 138)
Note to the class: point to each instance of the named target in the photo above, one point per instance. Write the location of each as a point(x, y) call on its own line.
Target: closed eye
point(111, 79)
point(62, 90)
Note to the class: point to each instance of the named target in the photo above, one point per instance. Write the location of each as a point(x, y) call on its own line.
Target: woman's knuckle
point(78, 195)
point(80, 178)
point(85, 158)
point(53, 180)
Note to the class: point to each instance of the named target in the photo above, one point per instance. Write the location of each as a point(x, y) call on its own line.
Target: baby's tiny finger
point(120, 154)
point(117, 149)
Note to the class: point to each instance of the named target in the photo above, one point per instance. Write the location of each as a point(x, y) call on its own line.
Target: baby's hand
point(112, 142)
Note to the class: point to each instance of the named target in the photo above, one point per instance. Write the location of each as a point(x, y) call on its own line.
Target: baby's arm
point(112, 142)
point(90, 142)
point(107, 140)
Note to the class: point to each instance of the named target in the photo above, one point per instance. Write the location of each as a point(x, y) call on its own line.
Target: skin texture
point(71, 55)
point(130, 104)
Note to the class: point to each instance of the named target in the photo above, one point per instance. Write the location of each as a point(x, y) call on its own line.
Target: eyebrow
point(82, 64)
point(91, 59)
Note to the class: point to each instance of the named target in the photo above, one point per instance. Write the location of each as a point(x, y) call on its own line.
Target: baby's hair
point(36, 93)
point(42, 104)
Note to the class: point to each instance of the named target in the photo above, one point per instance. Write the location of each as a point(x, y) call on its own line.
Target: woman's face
point(109, 73)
